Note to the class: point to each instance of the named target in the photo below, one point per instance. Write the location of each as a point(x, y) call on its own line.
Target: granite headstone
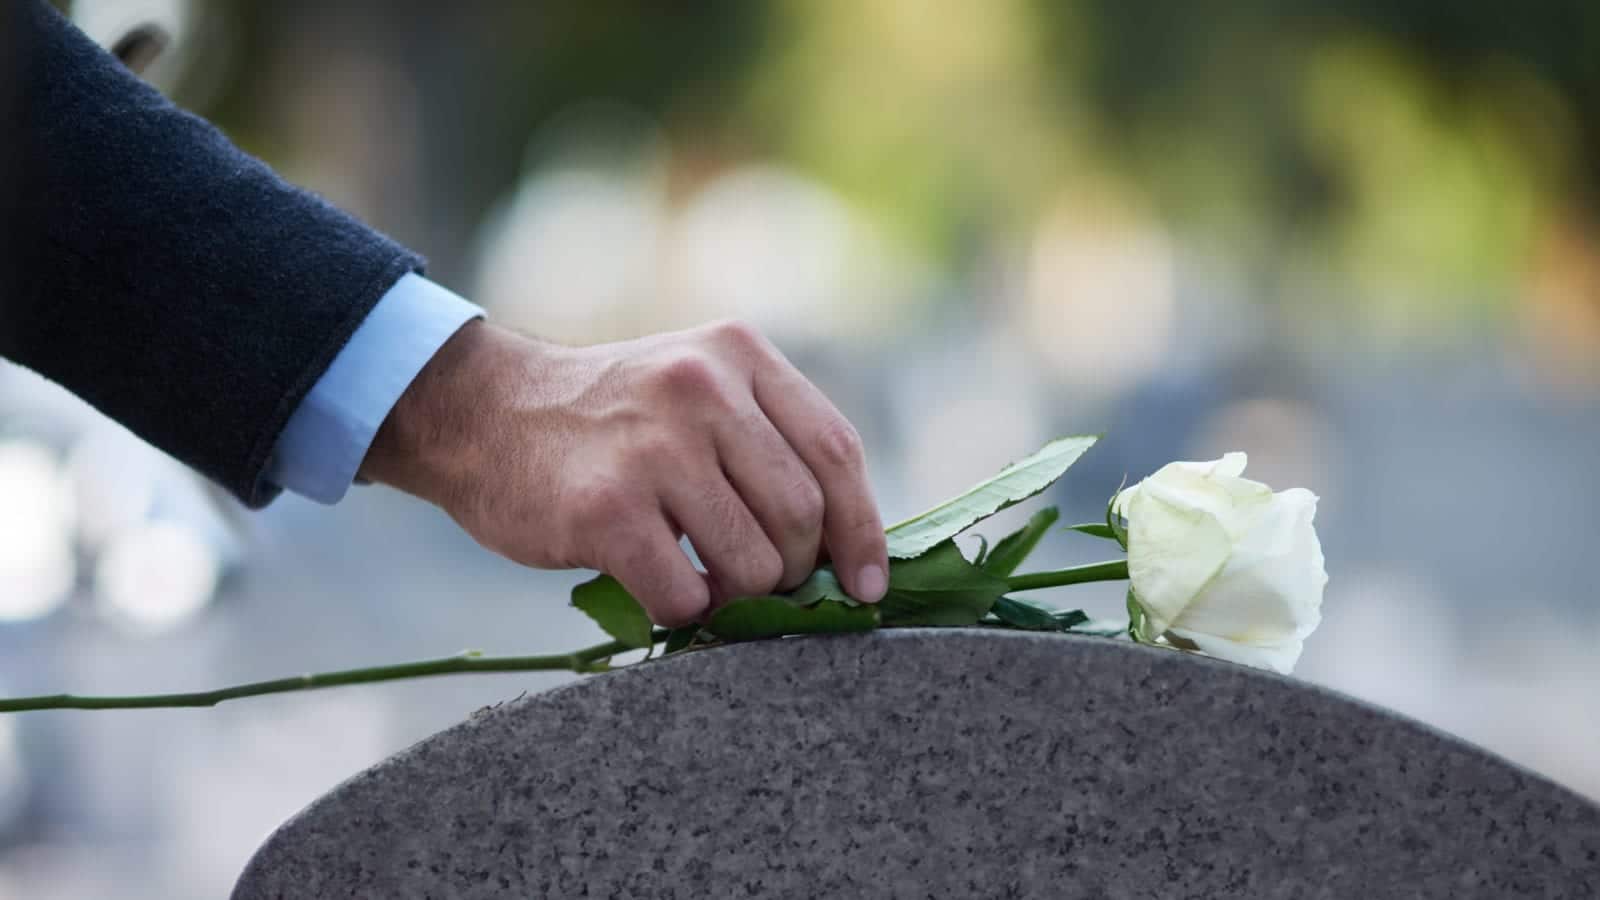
point(948, 764)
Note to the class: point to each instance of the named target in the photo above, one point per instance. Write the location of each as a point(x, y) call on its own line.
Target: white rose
point(1223, 563)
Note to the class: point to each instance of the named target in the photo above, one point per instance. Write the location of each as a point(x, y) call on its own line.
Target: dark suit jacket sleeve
point(162, 274)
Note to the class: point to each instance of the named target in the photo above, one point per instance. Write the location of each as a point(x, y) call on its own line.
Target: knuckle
point(657, 447)
point(746, 565)
point(673, 616)
point(839, 444)
point(768, 569)
point(668, 614)
point(676, 608)
point(737, 334)
point(758, 572)
point(689, 374)
point(677, 600)
point(599, 504)
point(802, 507)
point(799, 560)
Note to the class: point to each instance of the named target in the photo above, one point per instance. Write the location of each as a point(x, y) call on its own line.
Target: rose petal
point(1234, 502)
point(1178, 551)
point(1279, 657)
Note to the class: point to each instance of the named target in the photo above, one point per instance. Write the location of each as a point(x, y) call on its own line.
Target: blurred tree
point(1415, 150)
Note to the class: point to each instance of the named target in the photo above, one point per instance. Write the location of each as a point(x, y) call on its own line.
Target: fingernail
point(871, 584)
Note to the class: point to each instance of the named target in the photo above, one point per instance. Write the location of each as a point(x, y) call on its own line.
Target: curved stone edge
point(1156, 658)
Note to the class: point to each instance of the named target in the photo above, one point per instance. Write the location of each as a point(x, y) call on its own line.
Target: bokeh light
point(107, 21)
point(114, 477)
point(37, 567)
point(768, 246)
point(156, 576)
point(571, 255)
point(1101, 306)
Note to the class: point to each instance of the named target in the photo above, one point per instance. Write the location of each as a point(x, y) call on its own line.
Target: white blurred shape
point(1100, 299)
point(107, 22)
point(120, 482)
point(572, 255)
point(769, 246)
point(114, 478)
point(37, 569)
point(156, 576)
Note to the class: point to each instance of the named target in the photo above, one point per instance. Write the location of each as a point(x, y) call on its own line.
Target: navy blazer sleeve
point(162, 274)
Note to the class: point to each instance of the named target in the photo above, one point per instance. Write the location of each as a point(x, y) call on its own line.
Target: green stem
point(1115, 570)
point(577, 661)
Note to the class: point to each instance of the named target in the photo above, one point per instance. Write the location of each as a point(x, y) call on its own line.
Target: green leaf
point(1015, 547)
point(680, 639)
point(1071, 618)
point(1014, 483)
point(942, 568)
point(752, 618)
point(821, 585)
point(940, 609)
point(611, 606)
point(938, 588)
point(1025, 614)
point(1095, 529)
point(983, 551)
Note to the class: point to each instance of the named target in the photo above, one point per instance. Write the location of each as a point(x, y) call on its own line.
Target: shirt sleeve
point(327, 436)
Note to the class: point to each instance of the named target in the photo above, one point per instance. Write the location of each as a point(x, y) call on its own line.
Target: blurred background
point(1359, 240)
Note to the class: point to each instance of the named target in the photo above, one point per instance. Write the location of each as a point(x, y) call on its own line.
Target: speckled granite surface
point(947, 764)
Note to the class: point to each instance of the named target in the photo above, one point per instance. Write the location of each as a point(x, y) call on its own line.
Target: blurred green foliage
point(1411, 148)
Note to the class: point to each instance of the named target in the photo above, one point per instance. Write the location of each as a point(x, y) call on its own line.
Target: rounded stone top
point(920, 763)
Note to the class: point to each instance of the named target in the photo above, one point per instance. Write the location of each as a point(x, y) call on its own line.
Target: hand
point(603, 457)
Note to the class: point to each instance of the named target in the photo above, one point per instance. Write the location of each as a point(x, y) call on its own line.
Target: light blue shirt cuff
point(327, 437)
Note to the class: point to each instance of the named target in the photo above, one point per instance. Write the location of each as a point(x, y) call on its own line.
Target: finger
point(647, 560)
point(740, 559)
point(831, 449)
point(778, 489)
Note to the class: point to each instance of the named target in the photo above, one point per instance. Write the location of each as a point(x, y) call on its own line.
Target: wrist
point(429, 435)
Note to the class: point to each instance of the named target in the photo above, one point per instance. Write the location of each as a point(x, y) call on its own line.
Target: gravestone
point(950, 764)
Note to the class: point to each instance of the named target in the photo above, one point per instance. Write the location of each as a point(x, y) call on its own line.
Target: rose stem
point(577, 661)
point(1115, 570)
